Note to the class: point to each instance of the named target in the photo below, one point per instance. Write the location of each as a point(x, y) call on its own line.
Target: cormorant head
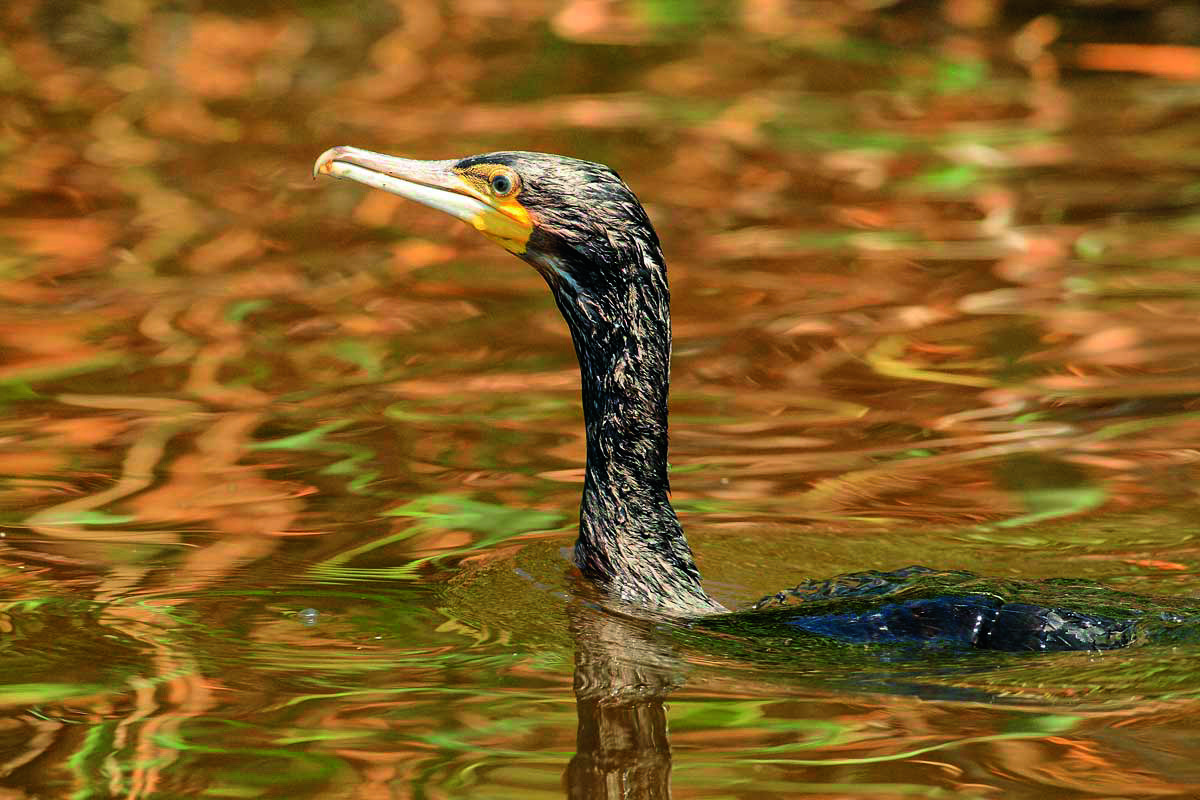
point(575, 221)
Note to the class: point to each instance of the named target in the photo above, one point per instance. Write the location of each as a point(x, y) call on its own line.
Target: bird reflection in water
point(624, 670)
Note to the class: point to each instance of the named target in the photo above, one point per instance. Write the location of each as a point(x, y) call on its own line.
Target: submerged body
point(582, 228)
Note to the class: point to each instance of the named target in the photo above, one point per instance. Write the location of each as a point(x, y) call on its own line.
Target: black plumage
point(610, 282)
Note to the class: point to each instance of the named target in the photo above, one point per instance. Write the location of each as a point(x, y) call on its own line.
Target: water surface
point(290, 468)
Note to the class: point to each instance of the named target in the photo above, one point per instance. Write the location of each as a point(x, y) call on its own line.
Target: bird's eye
point(501, 184)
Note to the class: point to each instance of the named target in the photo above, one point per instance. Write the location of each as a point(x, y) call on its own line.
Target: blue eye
point(501, 184)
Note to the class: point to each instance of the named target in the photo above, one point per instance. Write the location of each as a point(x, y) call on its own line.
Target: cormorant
point(582, 228)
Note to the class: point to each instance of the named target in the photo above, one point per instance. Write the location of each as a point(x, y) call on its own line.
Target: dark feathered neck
point(630, 541)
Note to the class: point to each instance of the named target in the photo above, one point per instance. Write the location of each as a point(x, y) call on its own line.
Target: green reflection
point(1049, 489)
point(354, 461)
point(495, 523)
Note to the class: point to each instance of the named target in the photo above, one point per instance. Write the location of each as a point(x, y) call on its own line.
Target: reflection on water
point(934, 296)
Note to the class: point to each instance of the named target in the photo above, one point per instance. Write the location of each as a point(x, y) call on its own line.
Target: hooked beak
point(435, 184)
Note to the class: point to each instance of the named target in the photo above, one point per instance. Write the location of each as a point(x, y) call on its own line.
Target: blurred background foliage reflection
point(287, 468)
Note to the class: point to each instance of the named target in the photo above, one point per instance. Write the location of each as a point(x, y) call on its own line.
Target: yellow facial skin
point(482, 195)
point(506, 223)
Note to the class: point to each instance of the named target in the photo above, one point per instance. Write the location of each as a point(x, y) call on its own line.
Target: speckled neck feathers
point(612, 291)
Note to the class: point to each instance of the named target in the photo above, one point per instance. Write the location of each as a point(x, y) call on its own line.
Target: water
point(290, 468)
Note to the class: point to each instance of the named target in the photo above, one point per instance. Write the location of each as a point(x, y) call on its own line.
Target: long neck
point(630, 541)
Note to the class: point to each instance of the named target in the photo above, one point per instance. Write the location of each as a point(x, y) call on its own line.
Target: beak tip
point(324, 162)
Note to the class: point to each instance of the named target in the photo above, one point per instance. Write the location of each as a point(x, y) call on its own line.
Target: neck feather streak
point(630, 541)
